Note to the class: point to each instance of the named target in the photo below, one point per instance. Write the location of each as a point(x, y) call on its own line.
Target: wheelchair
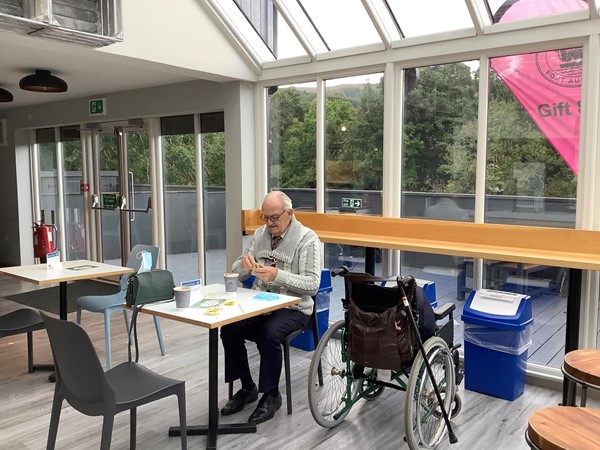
point(430, 378)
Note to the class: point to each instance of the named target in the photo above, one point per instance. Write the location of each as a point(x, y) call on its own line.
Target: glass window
point(75, 231)
point(179, 173)
point(533, 138)
point(439, 163)
point(46, 145)
point(331, 24)
point(291, 147)
point(354, 144)
point(422, 18)
point(213, 154)
point(512, 10)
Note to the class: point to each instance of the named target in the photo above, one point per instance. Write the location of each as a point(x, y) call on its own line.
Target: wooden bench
point(546, 246)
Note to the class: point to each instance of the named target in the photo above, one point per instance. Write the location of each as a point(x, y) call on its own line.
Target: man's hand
point(266, 274)
point(248, 263)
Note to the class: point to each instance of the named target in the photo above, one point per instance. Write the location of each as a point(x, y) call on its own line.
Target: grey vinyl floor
point(25, 400)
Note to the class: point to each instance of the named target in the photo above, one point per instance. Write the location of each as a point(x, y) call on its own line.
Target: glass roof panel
point(433, 16)
point(288, 45)
point(342, 24)
point(246, 31)
point(503, 10)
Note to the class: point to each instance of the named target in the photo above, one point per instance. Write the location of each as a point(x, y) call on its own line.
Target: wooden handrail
point(560, 247)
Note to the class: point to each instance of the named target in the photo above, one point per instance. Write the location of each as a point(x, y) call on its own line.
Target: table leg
point(63, 300)
point(572, 327)
point(213, 429)
point(62, 313)
point(370, 260)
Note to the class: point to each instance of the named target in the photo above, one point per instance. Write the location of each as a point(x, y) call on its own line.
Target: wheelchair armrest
point(444, 310)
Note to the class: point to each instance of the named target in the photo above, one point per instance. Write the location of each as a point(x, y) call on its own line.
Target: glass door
point(122, 200)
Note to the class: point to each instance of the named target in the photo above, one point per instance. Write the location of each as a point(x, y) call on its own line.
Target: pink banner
point(548, 84)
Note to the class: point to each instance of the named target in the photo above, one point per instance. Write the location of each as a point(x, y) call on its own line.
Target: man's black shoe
point(240, 399)
point(266, 408)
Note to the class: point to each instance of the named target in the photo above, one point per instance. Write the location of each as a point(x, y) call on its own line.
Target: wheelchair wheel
point(424, 422)
point(328, 379)
point(364, 384)
point(456, 406)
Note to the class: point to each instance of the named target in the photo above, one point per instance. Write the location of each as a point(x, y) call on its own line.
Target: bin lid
point(498, 309)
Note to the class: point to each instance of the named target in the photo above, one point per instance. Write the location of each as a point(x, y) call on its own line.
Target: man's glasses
point(273, 217)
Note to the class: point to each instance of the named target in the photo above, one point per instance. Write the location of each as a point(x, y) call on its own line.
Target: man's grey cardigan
point(298, 259)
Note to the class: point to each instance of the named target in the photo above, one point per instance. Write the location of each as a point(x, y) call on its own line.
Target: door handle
point(124, 204)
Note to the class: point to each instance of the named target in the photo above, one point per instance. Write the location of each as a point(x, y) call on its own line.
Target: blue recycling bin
point(305, 339)
point(429, 291)
point(497, 334)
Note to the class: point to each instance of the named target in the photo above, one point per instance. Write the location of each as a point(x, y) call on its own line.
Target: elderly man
point(285, 257)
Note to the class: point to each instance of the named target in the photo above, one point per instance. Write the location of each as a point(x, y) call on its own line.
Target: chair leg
point(182, 416)
point(583, 395)
point(30, 351)
point(161, 343)
point(230, 390)
point(132, 428)
point(107, 337)
point(126, 317)
point(288, 381)
point(107, 428)
point(78, 315)
point(54, 417)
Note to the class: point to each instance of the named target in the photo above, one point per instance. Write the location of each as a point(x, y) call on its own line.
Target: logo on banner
point(561, 67)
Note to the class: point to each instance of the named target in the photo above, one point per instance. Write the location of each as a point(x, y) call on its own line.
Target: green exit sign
point(110, 200)
point(352, 202)
point(98, 107)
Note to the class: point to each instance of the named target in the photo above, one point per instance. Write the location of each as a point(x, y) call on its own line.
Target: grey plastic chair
point(24, 320)
point(81, 381)
point(109, 304)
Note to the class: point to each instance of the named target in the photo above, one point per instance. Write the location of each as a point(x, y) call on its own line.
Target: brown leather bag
point(382, 340)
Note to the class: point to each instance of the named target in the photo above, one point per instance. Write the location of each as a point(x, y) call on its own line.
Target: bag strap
point(133, 327)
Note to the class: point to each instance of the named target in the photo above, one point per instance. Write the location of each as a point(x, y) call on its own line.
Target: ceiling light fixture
point(5, 96)
point(42, 81)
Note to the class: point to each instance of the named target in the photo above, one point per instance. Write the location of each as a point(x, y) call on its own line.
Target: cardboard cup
point(182, 296)
point(231, 282)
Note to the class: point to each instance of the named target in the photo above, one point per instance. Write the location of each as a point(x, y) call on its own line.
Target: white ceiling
point(148, 56)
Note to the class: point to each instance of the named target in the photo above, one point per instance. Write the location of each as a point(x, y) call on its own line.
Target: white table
point(71, 271)
point(245, 306)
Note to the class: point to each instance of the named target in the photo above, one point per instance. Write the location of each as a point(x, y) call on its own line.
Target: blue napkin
point(266, 296)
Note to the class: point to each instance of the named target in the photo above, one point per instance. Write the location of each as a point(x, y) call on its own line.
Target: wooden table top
point(80, 269)
point(565, 428)
point(584, 365)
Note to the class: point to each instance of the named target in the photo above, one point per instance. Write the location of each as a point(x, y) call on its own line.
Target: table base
point(225, 428)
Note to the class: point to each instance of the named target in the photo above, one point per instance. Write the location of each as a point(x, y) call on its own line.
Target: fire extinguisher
point(44, 239)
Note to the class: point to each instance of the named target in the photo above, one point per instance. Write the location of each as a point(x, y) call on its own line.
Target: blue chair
point(108, 304)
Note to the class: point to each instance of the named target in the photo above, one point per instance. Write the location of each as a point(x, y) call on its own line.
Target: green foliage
point(179, 167)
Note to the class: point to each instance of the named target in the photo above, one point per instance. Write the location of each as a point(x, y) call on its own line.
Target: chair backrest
point(83, 382)
point(133, 262)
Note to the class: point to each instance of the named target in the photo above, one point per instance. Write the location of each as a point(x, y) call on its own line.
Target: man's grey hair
point(287, 202)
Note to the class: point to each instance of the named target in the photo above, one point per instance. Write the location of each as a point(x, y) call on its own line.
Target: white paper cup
point(182, 296)
point(231, 282)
